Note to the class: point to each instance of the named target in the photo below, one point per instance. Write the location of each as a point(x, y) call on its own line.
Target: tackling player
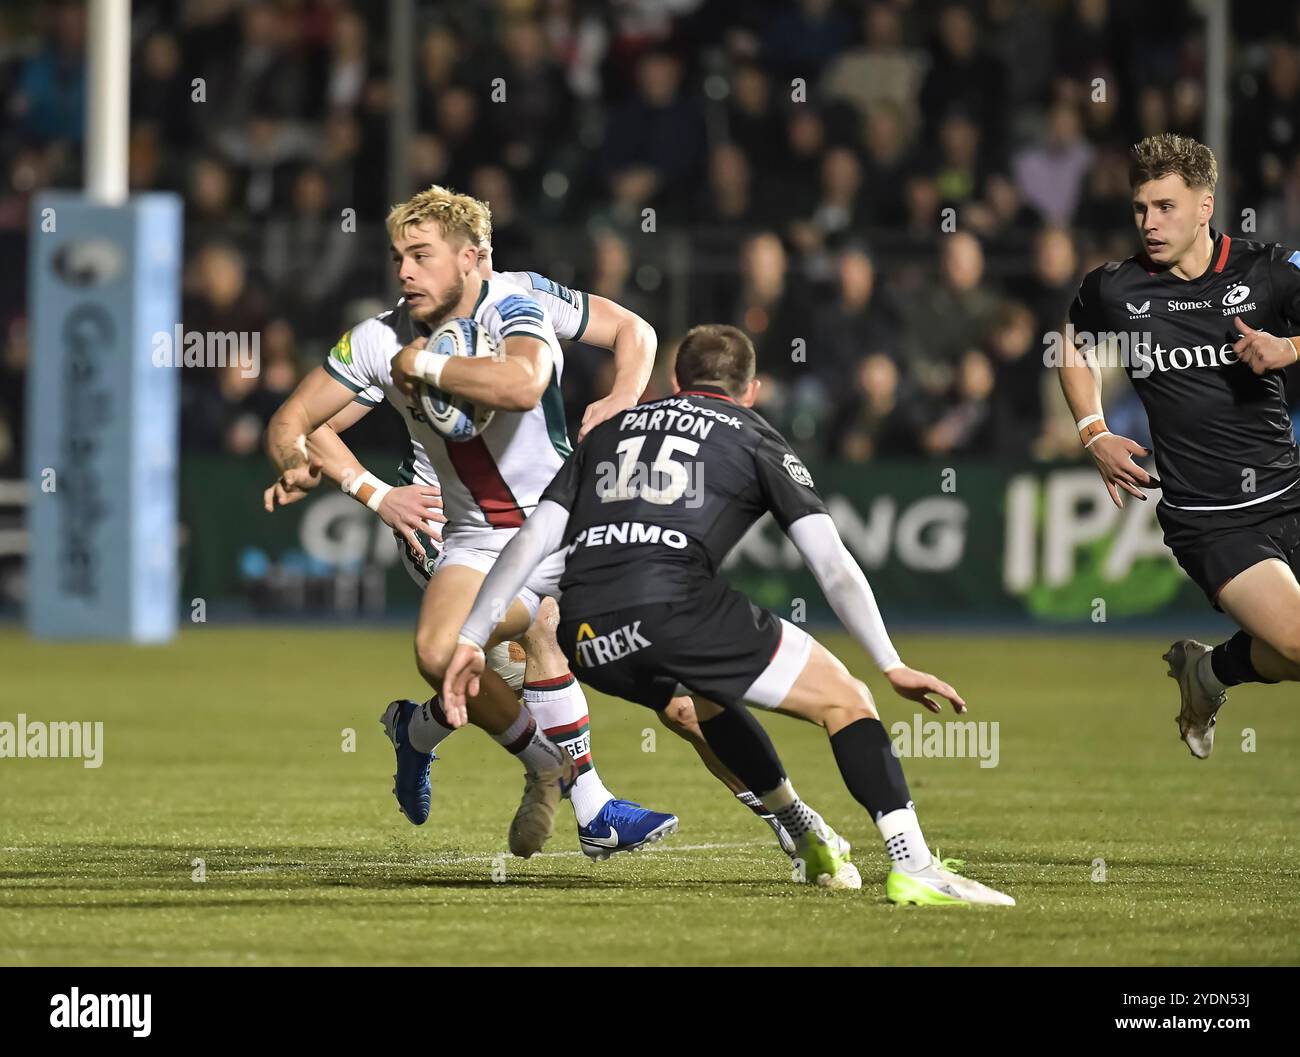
point(646, 510)
point(1204, 311)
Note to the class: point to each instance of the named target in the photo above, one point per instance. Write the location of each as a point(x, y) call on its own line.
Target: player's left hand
point(1261, 351)
point(605, 408)
point(460, 682)
point(293, 484)
point(403, 366)
point(915, 686)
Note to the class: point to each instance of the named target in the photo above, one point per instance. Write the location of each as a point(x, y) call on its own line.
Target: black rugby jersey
point(657, 496)
point(1212, 418)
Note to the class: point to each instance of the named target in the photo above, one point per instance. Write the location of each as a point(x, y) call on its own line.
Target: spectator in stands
point(882, 73)
point(802, 38)
point(1051, 175)
point(875, 421)
point(752, 121)
point(654, 148)
point(49, 104)
point(307, 253)
point(1016, 349)
point(950, 317)
point(965, 424)
point(860, 321)
point(962, 74)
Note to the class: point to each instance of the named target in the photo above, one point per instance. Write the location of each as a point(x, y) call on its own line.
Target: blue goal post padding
point(102, 419)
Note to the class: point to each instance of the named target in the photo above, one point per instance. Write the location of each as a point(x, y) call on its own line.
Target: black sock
point(870, 769)
point(1231, 662)
point(433, 707)
point(744, 748)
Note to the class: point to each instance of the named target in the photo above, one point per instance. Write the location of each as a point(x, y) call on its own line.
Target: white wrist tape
point(466, 640)
point(1097, 438)
point(1087, 421)
point(368, 489)
point(429, 365)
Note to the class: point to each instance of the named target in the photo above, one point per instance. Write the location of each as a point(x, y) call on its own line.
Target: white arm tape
point(1106, 433)
point(541, 536)
point(356, 488)
point(1087, 420)
point(429, 365)
point(845, 586)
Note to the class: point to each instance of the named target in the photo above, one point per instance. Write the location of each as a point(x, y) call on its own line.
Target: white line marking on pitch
point(466, 859)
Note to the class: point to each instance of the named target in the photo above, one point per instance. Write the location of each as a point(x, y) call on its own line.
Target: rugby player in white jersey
point(488, 484)
point(549, 688)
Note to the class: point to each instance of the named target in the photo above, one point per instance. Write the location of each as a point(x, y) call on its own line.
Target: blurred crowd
point(895, 198)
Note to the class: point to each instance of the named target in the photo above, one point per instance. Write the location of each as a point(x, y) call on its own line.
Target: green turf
point(227, 747)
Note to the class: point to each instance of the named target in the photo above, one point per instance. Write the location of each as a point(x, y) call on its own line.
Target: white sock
point(904, 841)
point(753, 803)
point(1205, 673)
point(524, 739)
point(427, 727)
point(560, 708)
point(796, 816)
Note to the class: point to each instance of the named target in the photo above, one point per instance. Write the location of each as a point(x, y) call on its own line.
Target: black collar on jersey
point(1221, 243)
point(707, 390)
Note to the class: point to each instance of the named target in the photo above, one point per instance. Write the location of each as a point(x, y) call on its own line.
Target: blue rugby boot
point(624, 826)
point(411, 783)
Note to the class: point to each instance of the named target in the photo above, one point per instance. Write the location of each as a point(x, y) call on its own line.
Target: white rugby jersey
point(493, 480)
point(569, 309)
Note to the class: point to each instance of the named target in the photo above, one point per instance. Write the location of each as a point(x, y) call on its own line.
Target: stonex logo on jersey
point(594, 650)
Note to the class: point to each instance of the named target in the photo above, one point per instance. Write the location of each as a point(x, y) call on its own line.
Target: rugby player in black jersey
point(1203, 316)
point(648, 506)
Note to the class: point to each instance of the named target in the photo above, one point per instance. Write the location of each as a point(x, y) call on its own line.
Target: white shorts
point(480, 550)
point(774, 683)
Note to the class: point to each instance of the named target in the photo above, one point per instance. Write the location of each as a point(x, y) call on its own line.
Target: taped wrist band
point(429, 365)
point(367, 489)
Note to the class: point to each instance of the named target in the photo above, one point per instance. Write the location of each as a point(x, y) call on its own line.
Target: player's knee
point(432, 658)
point(540, 635)
point(850, 702)
point(679, 716)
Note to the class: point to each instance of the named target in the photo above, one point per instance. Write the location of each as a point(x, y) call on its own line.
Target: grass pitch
point(228, 747)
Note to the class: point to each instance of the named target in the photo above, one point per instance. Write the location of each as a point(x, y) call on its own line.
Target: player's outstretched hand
point(1261, 351)
point(414, 508)
point(602, 410)
point(461, 682)
point(403, 365)
point(1113, 455)
point(293, 484)
point(916, 686)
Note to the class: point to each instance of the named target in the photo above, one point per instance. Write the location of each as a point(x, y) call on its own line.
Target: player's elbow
point(523, 397)
point(287, 421)
point(643, 334)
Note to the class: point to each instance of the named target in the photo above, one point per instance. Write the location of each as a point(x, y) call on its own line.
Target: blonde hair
point(453, 214)
point(1169, 153)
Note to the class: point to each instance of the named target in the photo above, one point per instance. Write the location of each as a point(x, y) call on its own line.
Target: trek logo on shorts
point(594, 650)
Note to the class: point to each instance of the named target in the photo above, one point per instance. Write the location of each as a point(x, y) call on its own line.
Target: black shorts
point(717, 644)
point(1213, 546)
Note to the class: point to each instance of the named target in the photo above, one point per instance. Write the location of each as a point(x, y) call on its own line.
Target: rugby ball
point(455, 417)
